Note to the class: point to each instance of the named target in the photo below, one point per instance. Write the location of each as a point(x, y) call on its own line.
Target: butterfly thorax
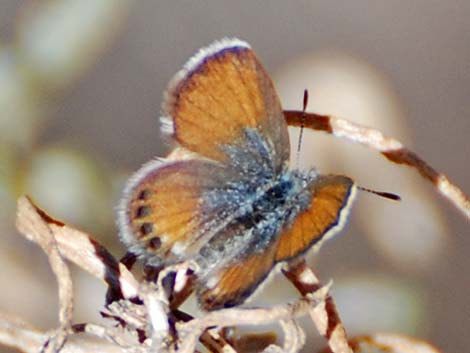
point(249, 211)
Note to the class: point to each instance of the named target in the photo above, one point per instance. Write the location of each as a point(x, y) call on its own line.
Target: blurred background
point(81, 83)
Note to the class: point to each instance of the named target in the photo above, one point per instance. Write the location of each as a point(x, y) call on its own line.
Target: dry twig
point(389, 147)
point(30, 221)
point(325, 315)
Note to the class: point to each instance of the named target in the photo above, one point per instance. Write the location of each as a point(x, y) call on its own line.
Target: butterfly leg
point(324, 316)
point(390, 148)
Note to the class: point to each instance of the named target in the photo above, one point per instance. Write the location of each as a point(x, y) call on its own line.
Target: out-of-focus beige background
point(81, 85)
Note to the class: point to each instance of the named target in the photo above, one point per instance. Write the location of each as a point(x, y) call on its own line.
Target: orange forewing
point(328, 208)
point(218, 98)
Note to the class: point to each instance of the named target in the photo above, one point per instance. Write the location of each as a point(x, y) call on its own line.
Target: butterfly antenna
point(302, 125)
point(385, 195)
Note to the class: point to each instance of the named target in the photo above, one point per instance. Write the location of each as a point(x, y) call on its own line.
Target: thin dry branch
point(79, 248)
point(33, 226)
point(389, 147)
point(192, 330)
point(19, 335)
point(294, 336)
point(325, 316)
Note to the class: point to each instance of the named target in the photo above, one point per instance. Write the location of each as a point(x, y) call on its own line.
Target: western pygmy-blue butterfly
point(226, 197)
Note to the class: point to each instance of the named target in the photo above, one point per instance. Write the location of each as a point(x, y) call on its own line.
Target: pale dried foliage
point(144, 308)
point(146, 320)
point(144, 316)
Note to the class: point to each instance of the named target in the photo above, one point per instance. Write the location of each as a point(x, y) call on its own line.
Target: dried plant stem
point(389, 147)
point(192, 330)
point(78, 247)
point(32, 225)
point(325, 316)
point(294, 336)
point(19, 335)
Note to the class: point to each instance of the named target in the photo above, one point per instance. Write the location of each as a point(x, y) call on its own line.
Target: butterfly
point(226, 198)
